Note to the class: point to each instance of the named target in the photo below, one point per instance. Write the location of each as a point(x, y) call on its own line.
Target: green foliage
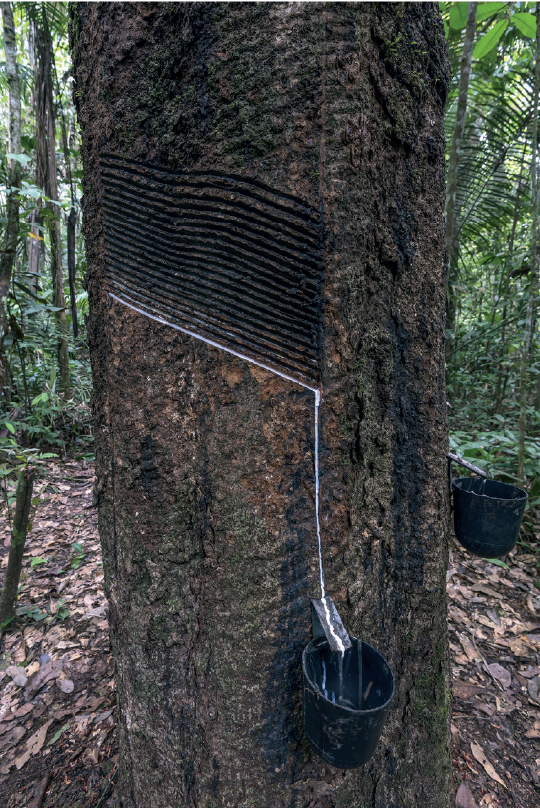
point(494, 206)
point(57, 735)
point(33, 410)
point(490, 39)
point(31, 612)
point(79, 556)
point(458, 15)
point(487, 10)
point(526, 24)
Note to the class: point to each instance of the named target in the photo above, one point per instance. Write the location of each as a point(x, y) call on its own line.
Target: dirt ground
point(58, 731)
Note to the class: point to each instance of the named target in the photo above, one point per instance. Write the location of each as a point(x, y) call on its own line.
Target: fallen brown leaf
point(519, 648)
point(33, 745)
point(466, 690)
point(464, 797)
point(483, 588)
point(533, 687)
point(482, 759)
point(534, 730)
point(469, 649)
point(12, 738)
point(482, 706)
point(49, 671)
point(500, 673)
point(23, 710)
point(92, 754)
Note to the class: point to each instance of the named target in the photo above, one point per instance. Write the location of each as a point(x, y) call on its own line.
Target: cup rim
point(523, 496)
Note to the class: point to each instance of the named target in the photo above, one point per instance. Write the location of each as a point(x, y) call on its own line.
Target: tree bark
point(35, 242)
point(23, 504)
point(46, 172)
point(9, 247)
point(531, 301)
point(499, 388)
point(71, 236)
point(452, 244)
point(205, 462)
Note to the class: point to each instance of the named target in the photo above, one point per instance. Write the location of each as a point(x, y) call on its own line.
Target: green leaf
point(526, 24)
point(57, 735)
point(10, 427)
point(486, 10)
point(38, 560)
point(498, 562)
point(458, 15)
point(534, 491)
point(63, 613)
point(489, 40)
point(77, 547)
point(20, 158)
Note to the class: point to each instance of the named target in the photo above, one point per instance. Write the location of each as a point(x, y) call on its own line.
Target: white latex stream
point(291, 379)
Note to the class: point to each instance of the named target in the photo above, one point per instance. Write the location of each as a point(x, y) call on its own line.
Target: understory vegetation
point(44, 366)
point(492, 339)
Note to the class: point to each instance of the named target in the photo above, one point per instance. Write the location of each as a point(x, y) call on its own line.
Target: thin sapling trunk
point(9, 246)
point(23, 503)
point(531, 303)
point(453, 163)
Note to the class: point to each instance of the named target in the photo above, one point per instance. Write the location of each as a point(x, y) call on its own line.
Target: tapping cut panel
point(220, 255)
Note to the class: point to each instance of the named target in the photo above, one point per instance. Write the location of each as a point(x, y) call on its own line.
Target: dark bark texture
point(205, 462)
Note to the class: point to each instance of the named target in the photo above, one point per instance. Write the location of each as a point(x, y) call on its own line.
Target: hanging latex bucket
point(346, 700)
point(487, 515)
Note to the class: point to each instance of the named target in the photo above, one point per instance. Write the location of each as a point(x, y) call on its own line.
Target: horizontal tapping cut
point(279, 200)
point(203, 205)
point(219, 255)
point(202, 272)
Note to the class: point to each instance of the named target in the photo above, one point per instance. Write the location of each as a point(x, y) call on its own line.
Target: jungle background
point(57, 714)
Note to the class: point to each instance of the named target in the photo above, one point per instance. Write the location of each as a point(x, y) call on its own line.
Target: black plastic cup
point(346, 700)
point(487, 515)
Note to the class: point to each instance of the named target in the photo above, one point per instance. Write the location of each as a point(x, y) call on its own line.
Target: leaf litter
point(58, 707)
point(494, 633)
point(58, 727)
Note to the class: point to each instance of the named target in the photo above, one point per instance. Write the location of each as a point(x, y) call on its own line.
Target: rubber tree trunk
point(205, 462)
point(452, 240)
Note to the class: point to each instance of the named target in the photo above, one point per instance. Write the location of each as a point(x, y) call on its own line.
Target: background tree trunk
point(205, 461)
point(9, 247)
point(452, 239)
point(531, 300)
point(46, 173)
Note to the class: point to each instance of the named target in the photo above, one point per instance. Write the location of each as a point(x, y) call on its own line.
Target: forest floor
point(58, 731)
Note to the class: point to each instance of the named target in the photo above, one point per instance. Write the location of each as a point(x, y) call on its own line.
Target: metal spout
point(327, 623)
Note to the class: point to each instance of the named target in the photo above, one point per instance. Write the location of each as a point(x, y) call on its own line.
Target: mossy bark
point(205, 462)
